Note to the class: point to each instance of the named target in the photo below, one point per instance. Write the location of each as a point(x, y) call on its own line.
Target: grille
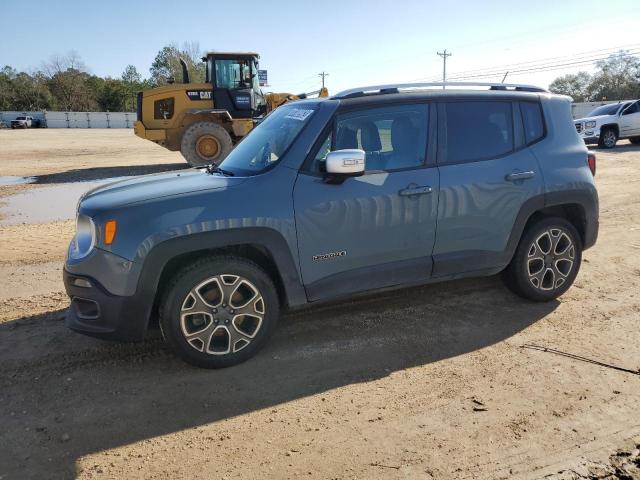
point(579, 127)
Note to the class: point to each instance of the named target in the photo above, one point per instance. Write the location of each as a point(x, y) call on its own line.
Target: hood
point(596, 118)
point(152, 187)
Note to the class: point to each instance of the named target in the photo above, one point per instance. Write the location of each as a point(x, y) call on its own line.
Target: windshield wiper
point(213, 168)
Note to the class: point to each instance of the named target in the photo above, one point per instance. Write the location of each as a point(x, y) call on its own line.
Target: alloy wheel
point(222, 314)
point(609, 139)
point(550, 259)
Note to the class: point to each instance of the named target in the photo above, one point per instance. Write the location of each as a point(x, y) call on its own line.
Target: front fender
point(268, 239)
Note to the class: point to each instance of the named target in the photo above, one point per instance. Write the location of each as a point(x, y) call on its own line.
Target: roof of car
point(418, 95)
point(439, 90)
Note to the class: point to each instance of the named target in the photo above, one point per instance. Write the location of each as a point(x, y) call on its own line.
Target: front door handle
point(515, 176)
point(415, 190)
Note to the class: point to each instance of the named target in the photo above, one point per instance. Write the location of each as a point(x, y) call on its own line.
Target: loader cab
point(235, 83)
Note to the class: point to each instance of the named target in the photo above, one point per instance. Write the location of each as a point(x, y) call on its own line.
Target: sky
point(357, 42)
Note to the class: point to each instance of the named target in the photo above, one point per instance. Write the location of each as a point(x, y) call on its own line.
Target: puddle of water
point(11, 180)
point(46, 204)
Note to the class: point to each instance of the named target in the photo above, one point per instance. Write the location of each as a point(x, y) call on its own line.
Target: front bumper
point(154, 135)
point(97, 313)
point(105, 299)
point(588, 135)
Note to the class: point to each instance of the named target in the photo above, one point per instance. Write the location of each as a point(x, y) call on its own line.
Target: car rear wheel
point(205, 143)
point(608, 138)
point(546, 261)
point(635, 140)
point(219, 311)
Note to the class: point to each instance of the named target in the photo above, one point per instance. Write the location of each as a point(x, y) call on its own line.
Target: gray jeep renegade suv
point(373, 188)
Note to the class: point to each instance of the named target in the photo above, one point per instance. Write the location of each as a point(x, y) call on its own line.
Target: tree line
point(615, 78)
point(65, 84)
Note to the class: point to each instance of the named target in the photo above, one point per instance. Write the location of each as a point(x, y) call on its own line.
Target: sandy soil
point(442, 381)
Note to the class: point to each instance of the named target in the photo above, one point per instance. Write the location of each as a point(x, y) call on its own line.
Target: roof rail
point(395, 88)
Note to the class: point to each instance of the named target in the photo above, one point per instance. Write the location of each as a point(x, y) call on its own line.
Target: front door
point(630, 121)
point(376, 230)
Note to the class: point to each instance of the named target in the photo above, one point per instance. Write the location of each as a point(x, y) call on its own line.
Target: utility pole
point(322, 75)
point(444, 56)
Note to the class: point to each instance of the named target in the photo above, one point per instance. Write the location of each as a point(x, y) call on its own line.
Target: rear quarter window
point(532, 121)
point(478, 130)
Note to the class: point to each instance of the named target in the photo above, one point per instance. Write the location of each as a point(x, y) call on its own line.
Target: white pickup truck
point(609, 123)
point(22, 122)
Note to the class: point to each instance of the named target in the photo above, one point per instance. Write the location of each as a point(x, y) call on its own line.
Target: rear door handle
point(515, 176)
point(414, 190)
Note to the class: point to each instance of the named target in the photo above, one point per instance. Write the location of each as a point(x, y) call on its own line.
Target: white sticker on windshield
point(299, 114)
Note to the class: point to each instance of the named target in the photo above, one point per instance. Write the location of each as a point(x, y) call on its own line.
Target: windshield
point(21, 118)
point(610, 109)
point(233, 74)
point(267, 142)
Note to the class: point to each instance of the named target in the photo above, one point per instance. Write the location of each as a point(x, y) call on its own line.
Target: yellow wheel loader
point(205, 120)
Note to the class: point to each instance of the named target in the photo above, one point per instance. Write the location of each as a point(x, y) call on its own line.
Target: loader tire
point(205, 143)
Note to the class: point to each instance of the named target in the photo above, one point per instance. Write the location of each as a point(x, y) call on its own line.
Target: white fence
point(76, 119)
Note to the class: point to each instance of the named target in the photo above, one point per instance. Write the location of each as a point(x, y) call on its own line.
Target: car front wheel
point(608, 138)
point(546, 261)
point(219, 311)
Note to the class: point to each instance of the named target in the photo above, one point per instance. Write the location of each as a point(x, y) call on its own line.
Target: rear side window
point(477, 130)
point(532, 121)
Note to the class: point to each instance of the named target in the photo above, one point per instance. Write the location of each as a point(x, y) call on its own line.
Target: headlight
point(590, 124)
point(85, 237)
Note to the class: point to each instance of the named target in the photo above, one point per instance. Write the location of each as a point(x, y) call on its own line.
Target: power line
point(542, 62)
point(552, 59)
point(540, 67)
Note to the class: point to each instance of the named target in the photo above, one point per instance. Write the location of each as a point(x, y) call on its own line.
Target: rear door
point(486, 175)
point(630, 121)
point(376, 230)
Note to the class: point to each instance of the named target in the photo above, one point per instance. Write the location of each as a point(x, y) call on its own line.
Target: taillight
point(591, 160)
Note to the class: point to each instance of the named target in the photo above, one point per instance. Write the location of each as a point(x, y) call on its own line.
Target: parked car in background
point(609, 123)
point(374, 188)
point(22, 122)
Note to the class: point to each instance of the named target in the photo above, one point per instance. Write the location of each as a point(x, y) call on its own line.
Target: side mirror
point(341, 164)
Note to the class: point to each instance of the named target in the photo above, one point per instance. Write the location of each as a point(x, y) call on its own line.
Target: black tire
point(525, 261)
point(608, 138)
point(205, 143)
point(223, 329)
point(635, 140)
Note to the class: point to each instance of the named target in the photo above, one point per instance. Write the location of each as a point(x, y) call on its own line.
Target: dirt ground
point(457, 380)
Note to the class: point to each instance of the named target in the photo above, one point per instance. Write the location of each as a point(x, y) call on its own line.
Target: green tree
point(616, 78)
point(132, 83)
point(166, 65)
point(7, 92)
point(574, 85)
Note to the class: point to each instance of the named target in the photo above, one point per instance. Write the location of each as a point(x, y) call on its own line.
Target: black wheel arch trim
point(613, 126)
point(267, 238)
point(585, 198)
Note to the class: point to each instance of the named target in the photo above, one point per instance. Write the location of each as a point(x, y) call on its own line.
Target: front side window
point(632, 109)
point(393, 137)
point(477, 130)
point(265, 145)
point(233, 74)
